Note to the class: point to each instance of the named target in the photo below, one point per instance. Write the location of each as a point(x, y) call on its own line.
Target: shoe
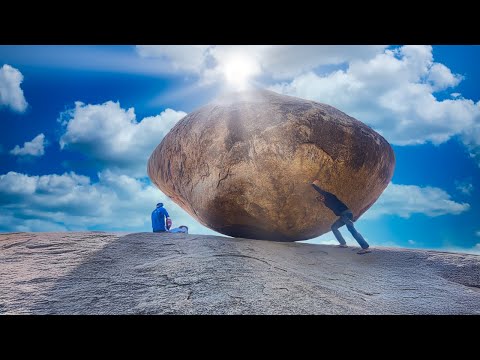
point(364, 251)
point(342, 246)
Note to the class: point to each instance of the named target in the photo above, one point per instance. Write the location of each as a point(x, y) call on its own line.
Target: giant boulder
point(242, 165)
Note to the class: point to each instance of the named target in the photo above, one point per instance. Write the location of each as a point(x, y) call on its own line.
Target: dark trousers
point(346, 218)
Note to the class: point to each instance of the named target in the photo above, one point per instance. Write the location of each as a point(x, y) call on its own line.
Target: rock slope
point(146, 273)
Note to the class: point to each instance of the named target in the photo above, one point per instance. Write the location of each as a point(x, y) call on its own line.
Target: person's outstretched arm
point(317, 188)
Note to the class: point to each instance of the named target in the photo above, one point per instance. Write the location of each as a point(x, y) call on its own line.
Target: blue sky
point(77, 124)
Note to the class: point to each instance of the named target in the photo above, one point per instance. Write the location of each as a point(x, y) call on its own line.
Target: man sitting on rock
point(181, 229)
point(346, 218)
point(158, 219)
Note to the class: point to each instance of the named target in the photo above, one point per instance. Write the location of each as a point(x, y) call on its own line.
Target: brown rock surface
point(242, 165)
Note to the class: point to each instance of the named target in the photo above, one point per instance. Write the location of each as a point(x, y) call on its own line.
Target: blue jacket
point(158, 219)
point(331, 201)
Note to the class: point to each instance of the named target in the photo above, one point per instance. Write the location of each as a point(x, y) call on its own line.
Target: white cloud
point(394, 93)
point(287, 61)
point(471, 138)
point(71, 202)
point(190, 58)
point(406, 200)
point(392, 90)
point(464, 187)
point(112, 136)
point(442, 78)
point(8, 223)
point(411, 242)
point(473, 250)
point(279, 61)
point(325, 239)
point(32, 148)
point(10, 92)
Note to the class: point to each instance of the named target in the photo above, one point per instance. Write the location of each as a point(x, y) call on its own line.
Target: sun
point(238, 69)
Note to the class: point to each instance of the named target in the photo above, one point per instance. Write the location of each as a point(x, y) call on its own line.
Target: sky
point(78, 123)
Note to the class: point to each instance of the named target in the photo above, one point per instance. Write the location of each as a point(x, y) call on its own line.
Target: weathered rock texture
point(242, 165)
point(147, 273)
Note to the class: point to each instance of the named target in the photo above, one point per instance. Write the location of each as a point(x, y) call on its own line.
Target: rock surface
point(242, 165)
point(146, 273)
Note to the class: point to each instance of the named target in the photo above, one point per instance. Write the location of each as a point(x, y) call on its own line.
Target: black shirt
point(331, 201)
